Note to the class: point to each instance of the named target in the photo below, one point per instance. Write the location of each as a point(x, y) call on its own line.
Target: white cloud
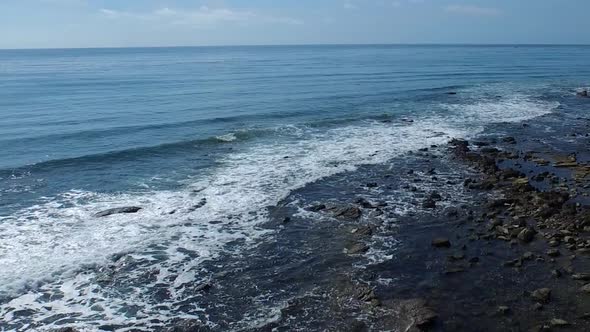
point(203, 16)
point(472, 10)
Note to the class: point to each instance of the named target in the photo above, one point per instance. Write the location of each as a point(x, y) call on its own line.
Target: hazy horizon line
point(288, 45)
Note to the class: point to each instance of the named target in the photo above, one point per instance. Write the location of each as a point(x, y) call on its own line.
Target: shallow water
point(240, 128)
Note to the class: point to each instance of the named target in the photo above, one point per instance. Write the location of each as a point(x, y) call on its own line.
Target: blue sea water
point(237, 128)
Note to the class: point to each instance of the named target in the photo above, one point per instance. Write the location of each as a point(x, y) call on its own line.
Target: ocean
point(206, 140)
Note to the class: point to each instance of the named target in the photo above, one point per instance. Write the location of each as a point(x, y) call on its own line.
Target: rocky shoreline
point(497, 239)
point(515, 258)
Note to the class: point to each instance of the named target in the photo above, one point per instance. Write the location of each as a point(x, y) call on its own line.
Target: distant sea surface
point(204, 139)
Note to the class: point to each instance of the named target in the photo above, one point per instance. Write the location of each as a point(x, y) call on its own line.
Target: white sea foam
point(227, 137)
point(44, 248)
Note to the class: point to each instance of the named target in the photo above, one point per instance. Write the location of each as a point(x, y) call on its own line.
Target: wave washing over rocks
point(281, 234)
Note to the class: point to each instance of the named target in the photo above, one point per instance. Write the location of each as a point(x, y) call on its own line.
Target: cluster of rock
point(526, 214)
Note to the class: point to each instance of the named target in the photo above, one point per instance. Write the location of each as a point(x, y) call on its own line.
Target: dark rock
point(556, 322)
point(527, 235)
point(363, 231)
point(317, 208)
point(418, 314)
point(435, 196)
point(429, 204)
point(581, 276)
point(489, 150)
point(509, 140)
point(203, 287)
point(364, 203)
point(583, 93)
point(553, 253)
point(357, 248)
point(358, 326)
point(453, 270)
point(126, 209)
point(198, 206)
point(187, 326)
point(372, 185)
point(503, 310)
point(585, 289)
point(347, 212)
point(441, 243)
point(480, 144)
point(543, 295)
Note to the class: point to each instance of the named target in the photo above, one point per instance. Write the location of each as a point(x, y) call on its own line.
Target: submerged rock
point(346, 212)
point(542, 295)
point(441, 242)
point(357, 248)
point(126, 209)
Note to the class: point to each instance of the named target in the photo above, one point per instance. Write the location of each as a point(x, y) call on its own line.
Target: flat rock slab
point(126, 209)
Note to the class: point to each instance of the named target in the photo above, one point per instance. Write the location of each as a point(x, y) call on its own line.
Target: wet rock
point(441, 242)
point(553, 253)
point(364, 231)
point(454, 270)
point(527, 235)
point(358, 326)
point(556, 322)
point(543, 295)
point(585, 289)
point(556, 273)
point(581, 276)
point(187, 326)
point(489, 150)
point(503, 310)
point(417, 314)
point(456, 257)
point(480, 144)
point(195, 207)
point(203, 287)
point(429, 204)
point(316, 208)
point(583, 93)
point(126, 209)
point(509, 140)
point(357, 248)
point(366, 294)
point(66, 329)
point(364, 203)
point(346, 212)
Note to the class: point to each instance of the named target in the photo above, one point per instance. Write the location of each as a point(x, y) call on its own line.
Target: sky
point(135, 23)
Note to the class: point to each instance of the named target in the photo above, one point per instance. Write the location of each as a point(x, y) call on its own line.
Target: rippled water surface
point(204, 140)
